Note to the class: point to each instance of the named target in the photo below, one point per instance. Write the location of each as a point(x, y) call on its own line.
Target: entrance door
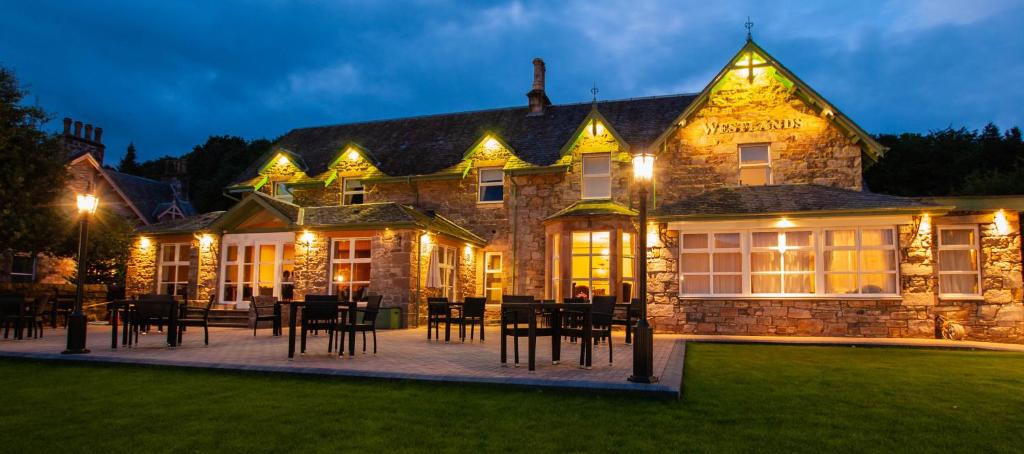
point(266, 266)
point(259, 264)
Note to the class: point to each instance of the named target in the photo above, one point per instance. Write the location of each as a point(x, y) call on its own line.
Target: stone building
point(141, 201)
point(761, 223)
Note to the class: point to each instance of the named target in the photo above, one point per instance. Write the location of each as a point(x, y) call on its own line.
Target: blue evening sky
point(167, 74)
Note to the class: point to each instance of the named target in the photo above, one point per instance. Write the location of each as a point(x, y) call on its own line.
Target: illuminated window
point(172, 275)
point(711, 264)
point(350, 267)
point(860, 261)
point(959, 270)
point(287, 271)
point(447, 263)
point(591, 260)
point(556, 267)
point(755, 165)
point(23, 267)
point(281, 192)
point(597, 177)
point(628, 267)
point(782, 262)
point(352, 191)
point(492, 277)
point(492, 185)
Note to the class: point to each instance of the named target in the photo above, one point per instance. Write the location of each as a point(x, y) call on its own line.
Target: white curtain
point(433, 269)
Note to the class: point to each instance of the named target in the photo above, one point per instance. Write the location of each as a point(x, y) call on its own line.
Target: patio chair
point(369, 322)
point(13, 310)
point(628, 318)
point(194, 316)
point(266, 308)
point(319, 315)
point(473, 311)
point(151, 310)
point(515, 322)
point(322, 298)
point(437, 311)
point(36, 315)
point(601, 322)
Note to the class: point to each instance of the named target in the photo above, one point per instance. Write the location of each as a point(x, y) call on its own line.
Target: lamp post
point(643, 336)
point(87, 204)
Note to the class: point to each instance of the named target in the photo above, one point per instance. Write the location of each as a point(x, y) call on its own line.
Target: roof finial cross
point(594, 92)
point(749, 26)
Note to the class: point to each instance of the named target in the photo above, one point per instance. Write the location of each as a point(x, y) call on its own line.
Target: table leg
point(172, 326)
point(448, 324)
point(504, 353)
point(629, 325)
point(588, 334)
point(113, 327)
point(351, 330)
point(533, 343)
point(292, 314)
point(556, 337)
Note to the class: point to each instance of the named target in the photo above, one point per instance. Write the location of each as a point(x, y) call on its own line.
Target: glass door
point(266, 267)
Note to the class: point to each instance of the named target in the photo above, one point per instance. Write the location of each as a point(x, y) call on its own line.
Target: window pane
point(755, 176)
point(184, 252)
point(361, 272)
point(353, 199)
point(362, 249)
point(965, 260)
point(799, 239)
point(878, 283)
point(580, 267)
point(964, 237)
point(168, 254)
point(695, 262)
point(754, 154)
point(597, 188)
point(182, 273)
point(727, 240)
point(695, 241)
point(491, 175)
point(841, 261)
point(958, 283)
point(840, 283)
point(352, 184)
point(765, 239)
point(601, 266)
point(492, 193)
point(288, 252)
point(627, 268)
point(167, 274)
point(728, 262)
point(341, 249)
point(231, 274)
point(602, 240)
point(765, 261)
point(695, 284)
point(580, 242)
point(596, 164)
point(841, 238)
point(876, 237)
point(878, 260)
point(769, 283)
point(232, 254)
point(728, 284)
point(799, 260)
point(493, 262)
point(248, 254)
point(342, 273)
point(799, 283)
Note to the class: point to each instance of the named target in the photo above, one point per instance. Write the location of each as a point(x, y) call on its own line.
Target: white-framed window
point(353, 191)
point(628, 268)
point(556, 267)
point(446, 257)
point(172, 275)
point(492, 185)
point(493, 284)
point(849, 261)
point(281, 191)
point(711, 264)
point(860, 260)
point(755, 165)
point(591, 264)
point(23, 267)
point(597, 176)
point(959, 261)
point(350, 267)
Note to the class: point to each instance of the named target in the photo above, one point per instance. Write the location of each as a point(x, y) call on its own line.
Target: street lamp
point(643, 336)
point(87, 204)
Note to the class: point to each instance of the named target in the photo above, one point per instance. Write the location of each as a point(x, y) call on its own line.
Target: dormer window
point(492, 185)
point(597, 176)
point(281, 192)
point(352, 191)
point(755, 165)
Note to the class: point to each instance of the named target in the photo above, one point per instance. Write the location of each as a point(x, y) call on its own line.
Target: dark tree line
point(950, 162)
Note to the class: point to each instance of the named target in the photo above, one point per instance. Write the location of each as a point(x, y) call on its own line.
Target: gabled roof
point(151, 197)
point(790, 199)
point(187, 225)
point(428, 144)
point(594, 208)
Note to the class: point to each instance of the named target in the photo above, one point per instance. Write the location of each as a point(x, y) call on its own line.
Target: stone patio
point(402, 354)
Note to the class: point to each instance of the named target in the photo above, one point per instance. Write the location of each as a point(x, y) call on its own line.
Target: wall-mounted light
point(205, 240)
point(652, 235)
point(468, 250)
point(491, 144)
point(926, 225)
point(353, 155)
point(784, 223)
point(144, 243)
point(643, 166)
point(1002, 224)
point(282, 159)
point(425, 239)
point(306, 238)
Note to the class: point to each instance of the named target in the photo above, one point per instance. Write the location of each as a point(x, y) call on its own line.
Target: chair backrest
point(264, 305)
point(40, 305)
point(574, 300)
point(321, 298)
point(474, 306)
point(320, 310)
point(12, 304)
point(155, 297)
point(517, 299)
point(603, 308)
point(210, 302)
point(437, 299)
point(372, 308)
point(510, 315)
point(147, 308)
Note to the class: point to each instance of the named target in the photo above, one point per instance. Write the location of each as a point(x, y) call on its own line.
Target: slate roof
point(594, 208)
point(387, 214)
point(290, 210)
point(428, 144)
point(785, 199)
point(185, 225)
point(151, 197)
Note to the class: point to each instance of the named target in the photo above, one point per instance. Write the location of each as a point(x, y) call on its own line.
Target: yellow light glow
point(643, 166)
point(340, 278)
point(491, 144)
point(205, 240)
point(926, 225)
point(425, 239)
point(87, 203)
point(353, 155)
point(784, 223)
point(652, 235)
point(282, 159)
point(306, 238)
point(1002, 224)
point(605, 252)
point(144, 243)
point(469, 251)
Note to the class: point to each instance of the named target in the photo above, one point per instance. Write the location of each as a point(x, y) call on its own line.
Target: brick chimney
point(78, 144)
point(538, 98)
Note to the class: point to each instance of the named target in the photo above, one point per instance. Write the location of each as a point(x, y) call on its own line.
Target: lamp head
point(643, 166)
point(87, 203)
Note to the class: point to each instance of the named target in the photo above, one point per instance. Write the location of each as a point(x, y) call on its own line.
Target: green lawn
point(736, 398)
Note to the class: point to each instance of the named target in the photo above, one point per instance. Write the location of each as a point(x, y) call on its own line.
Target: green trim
point(363, 153)
point(594, 208)
point(934, 210)
point(593, 115)
point(330, 179)
point(262, 182)
point(981, 202)
point(243, 209)
point(537, 170)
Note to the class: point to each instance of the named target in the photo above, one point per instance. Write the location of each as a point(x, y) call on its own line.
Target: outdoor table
point(557, 312)
point(126, 307)
point(349, 320)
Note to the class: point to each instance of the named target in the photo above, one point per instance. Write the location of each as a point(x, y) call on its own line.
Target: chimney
point(67, 126)
point(99, 135)
point(78, 129)
point(88, 132)
point(538, 99)
point(76, 144)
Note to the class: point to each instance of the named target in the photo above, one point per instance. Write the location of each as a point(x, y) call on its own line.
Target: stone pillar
point(311, 261)
point(207, 266)
point(140, 276)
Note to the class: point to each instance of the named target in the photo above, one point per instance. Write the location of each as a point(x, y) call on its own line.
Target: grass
point(736, 398)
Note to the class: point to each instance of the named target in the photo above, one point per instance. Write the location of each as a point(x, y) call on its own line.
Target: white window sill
point(495, 204)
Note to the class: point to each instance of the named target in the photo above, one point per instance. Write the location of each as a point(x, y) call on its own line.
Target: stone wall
point(140, 276)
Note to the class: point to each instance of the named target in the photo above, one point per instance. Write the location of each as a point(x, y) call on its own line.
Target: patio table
point(349, 319)
point(126, 308)
point(449, 305)
point(555, 331)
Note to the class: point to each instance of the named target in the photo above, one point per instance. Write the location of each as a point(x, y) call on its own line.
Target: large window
point(281, 191)
point(23, 267)
point(492, 185)
point(597, 176)
point(350, 267)
point(591, 260)
point(755, 165)
point(628, 268)
point(959, 270)
point(493, 287)
point(447, 263)
point(352, 191)
point(172, 276)
point(238, 262)
point(845, 261)
point(556, 267)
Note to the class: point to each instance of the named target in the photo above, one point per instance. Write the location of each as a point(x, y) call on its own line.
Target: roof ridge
point(496, 109)
point(150, 180)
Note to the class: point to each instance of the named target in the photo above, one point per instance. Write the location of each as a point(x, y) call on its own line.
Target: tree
point(32, 175)
point(129, 163)
point(110, 237)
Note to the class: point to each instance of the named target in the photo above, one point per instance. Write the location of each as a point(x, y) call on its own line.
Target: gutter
point(935, 210)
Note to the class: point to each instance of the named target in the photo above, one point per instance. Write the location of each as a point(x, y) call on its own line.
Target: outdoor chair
point(321, 298)
point(36, 316)
point(14, 311)
point(319, 315)
point(151, 310)
point(437, 311)
point(266, 308)
point(628, 318)
point(63, 304)
point(515, 321)
point(601, 321)
point(572, 319)
point(195, 316)
point(368, 323)
point(473, 312)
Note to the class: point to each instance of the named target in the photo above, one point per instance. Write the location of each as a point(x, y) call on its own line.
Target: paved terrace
point(402, 354)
